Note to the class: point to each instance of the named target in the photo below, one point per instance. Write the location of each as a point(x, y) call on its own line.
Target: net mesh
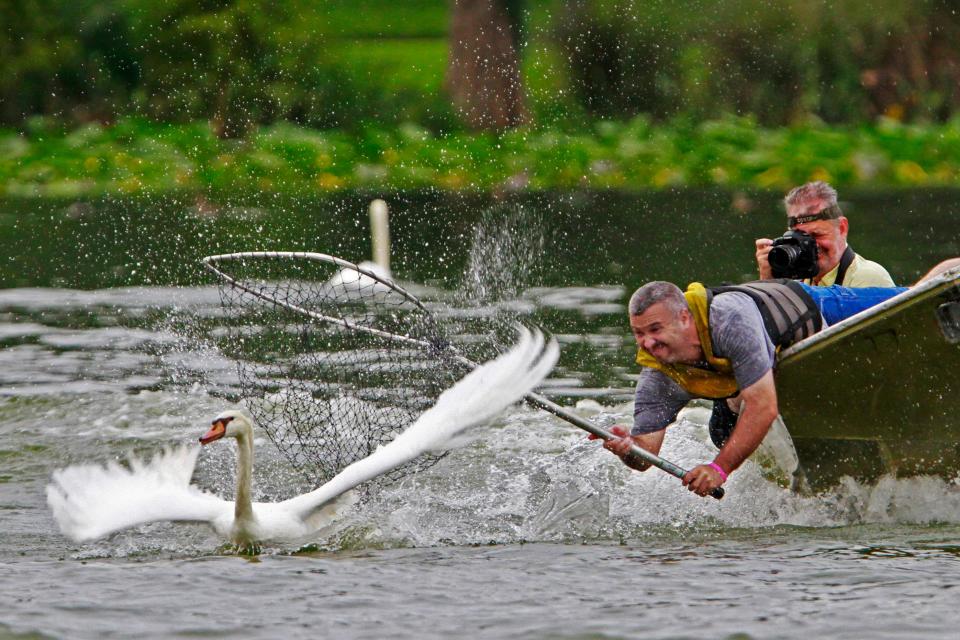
point(333, 362)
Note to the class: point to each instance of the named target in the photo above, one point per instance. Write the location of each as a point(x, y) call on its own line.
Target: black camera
point(794, 255)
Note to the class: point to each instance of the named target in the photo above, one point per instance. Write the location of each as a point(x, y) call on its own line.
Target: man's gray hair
point(812, 191)
point(654, 292)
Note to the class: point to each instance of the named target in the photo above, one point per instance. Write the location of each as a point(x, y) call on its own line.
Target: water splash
point(532, 479)
point(506, 254)
point(528, 478)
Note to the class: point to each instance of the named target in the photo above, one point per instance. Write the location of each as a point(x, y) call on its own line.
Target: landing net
point(333, 359)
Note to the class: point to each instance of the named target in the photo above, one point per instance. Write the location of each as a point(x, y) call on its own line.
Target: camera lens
point(783, 256)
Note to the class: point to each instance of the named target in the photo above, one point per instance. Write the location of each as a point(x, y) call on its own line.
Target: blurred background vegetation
point(481, 94)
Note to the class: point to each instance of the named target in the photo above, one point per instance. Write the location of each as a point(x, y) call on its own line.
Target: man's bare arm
point(763, 262)
point(946, 265)
point(759, 410)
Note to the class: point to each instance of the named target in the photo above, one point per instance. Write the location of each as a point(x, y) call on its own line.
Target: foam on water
point(528, 477)
point(531, 479)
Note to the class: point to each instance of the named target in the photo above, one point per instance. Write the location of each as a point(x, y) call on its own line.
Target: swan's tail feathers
point(92, 501)
point(475, 399)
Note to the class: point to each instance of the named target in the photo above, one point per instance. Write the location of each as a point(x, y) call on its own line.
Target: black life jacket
point(788, 311)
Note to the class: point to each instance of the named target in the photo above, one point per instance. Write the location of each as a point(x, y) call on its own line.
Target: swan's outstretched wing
point(479, 396)
point(91, 501)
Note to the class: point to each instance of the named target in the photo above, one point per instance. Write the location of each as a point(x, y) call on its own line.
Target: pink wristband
point(719, 469)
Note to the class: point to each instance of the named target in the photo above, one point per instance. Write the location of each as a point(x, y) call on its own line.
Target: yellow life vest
point(714, 381)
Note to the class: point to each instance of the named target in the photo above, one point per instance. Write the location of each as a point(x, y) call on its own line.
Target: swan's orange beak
point(217, 430)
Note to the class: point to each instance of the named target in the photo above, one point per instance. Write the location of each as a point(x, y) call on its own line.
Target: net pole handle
point(540, 402)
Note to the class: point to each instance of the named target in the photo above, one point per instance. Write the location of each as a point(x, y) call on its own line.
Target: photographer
point(815, 248)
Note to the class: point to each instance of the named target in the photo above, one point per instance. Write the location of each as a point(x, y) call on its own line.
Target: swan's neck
point(380, 233)
point(243, 506)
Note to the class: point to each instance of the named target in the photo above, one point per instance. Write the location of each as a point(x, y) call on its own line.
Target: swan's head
point(229, 424)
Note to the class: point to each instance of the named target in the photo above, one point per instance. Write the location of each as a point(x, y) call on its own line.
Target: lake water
point(107, 347)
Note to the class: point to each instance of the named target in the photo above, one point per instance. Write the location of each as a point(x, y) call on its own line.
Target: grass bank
point(137, 156)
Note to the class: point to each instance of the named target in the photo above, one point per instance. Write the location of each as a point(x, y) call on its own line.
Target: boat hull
point(878, 393)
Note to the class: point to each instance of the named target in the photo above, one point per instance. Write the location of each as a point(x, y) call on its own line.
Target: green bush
point(781, 61)
point(137, 155)
point(239, 63)
point(341, 64)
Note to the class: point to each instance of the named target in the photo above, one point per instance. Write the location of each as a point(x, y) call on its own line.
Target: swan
point(92, 501)
point(351, 281)
point(379, 239)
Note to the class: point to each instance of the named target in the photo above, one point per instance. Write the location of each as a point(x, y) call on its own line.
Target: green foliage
point(238, 63)
point(356, 64)
point(53, 58)
point(137, 156)
point(781, 61)
point(387, 81)
point(372, 19)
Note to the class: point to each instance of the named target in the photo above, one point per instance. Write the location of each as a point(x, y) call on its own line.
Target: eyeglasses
point(830, 213)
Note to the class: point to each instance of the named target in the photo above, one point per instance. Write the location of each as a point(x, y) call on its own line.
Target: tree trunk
point(483, 74)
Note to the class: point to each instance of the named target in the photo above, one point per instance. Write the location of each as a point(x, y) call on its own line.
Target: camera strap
point(845, 261)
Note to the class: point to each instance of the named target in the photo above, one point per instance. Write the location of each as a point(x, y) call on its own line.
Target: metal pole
point(540, 402)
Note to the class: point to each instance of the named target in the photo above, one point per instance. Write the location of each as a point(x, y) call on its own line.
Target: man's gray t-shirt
point(736, 329)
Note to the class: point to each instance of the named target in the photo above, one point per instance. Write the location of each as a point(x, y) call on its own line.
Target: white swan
point(92, 501)
point(350, 281)
point(379, 238)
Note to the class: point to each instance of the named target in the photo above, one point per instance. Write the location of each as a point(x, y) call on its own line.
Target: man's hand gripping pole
point(636, 453)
